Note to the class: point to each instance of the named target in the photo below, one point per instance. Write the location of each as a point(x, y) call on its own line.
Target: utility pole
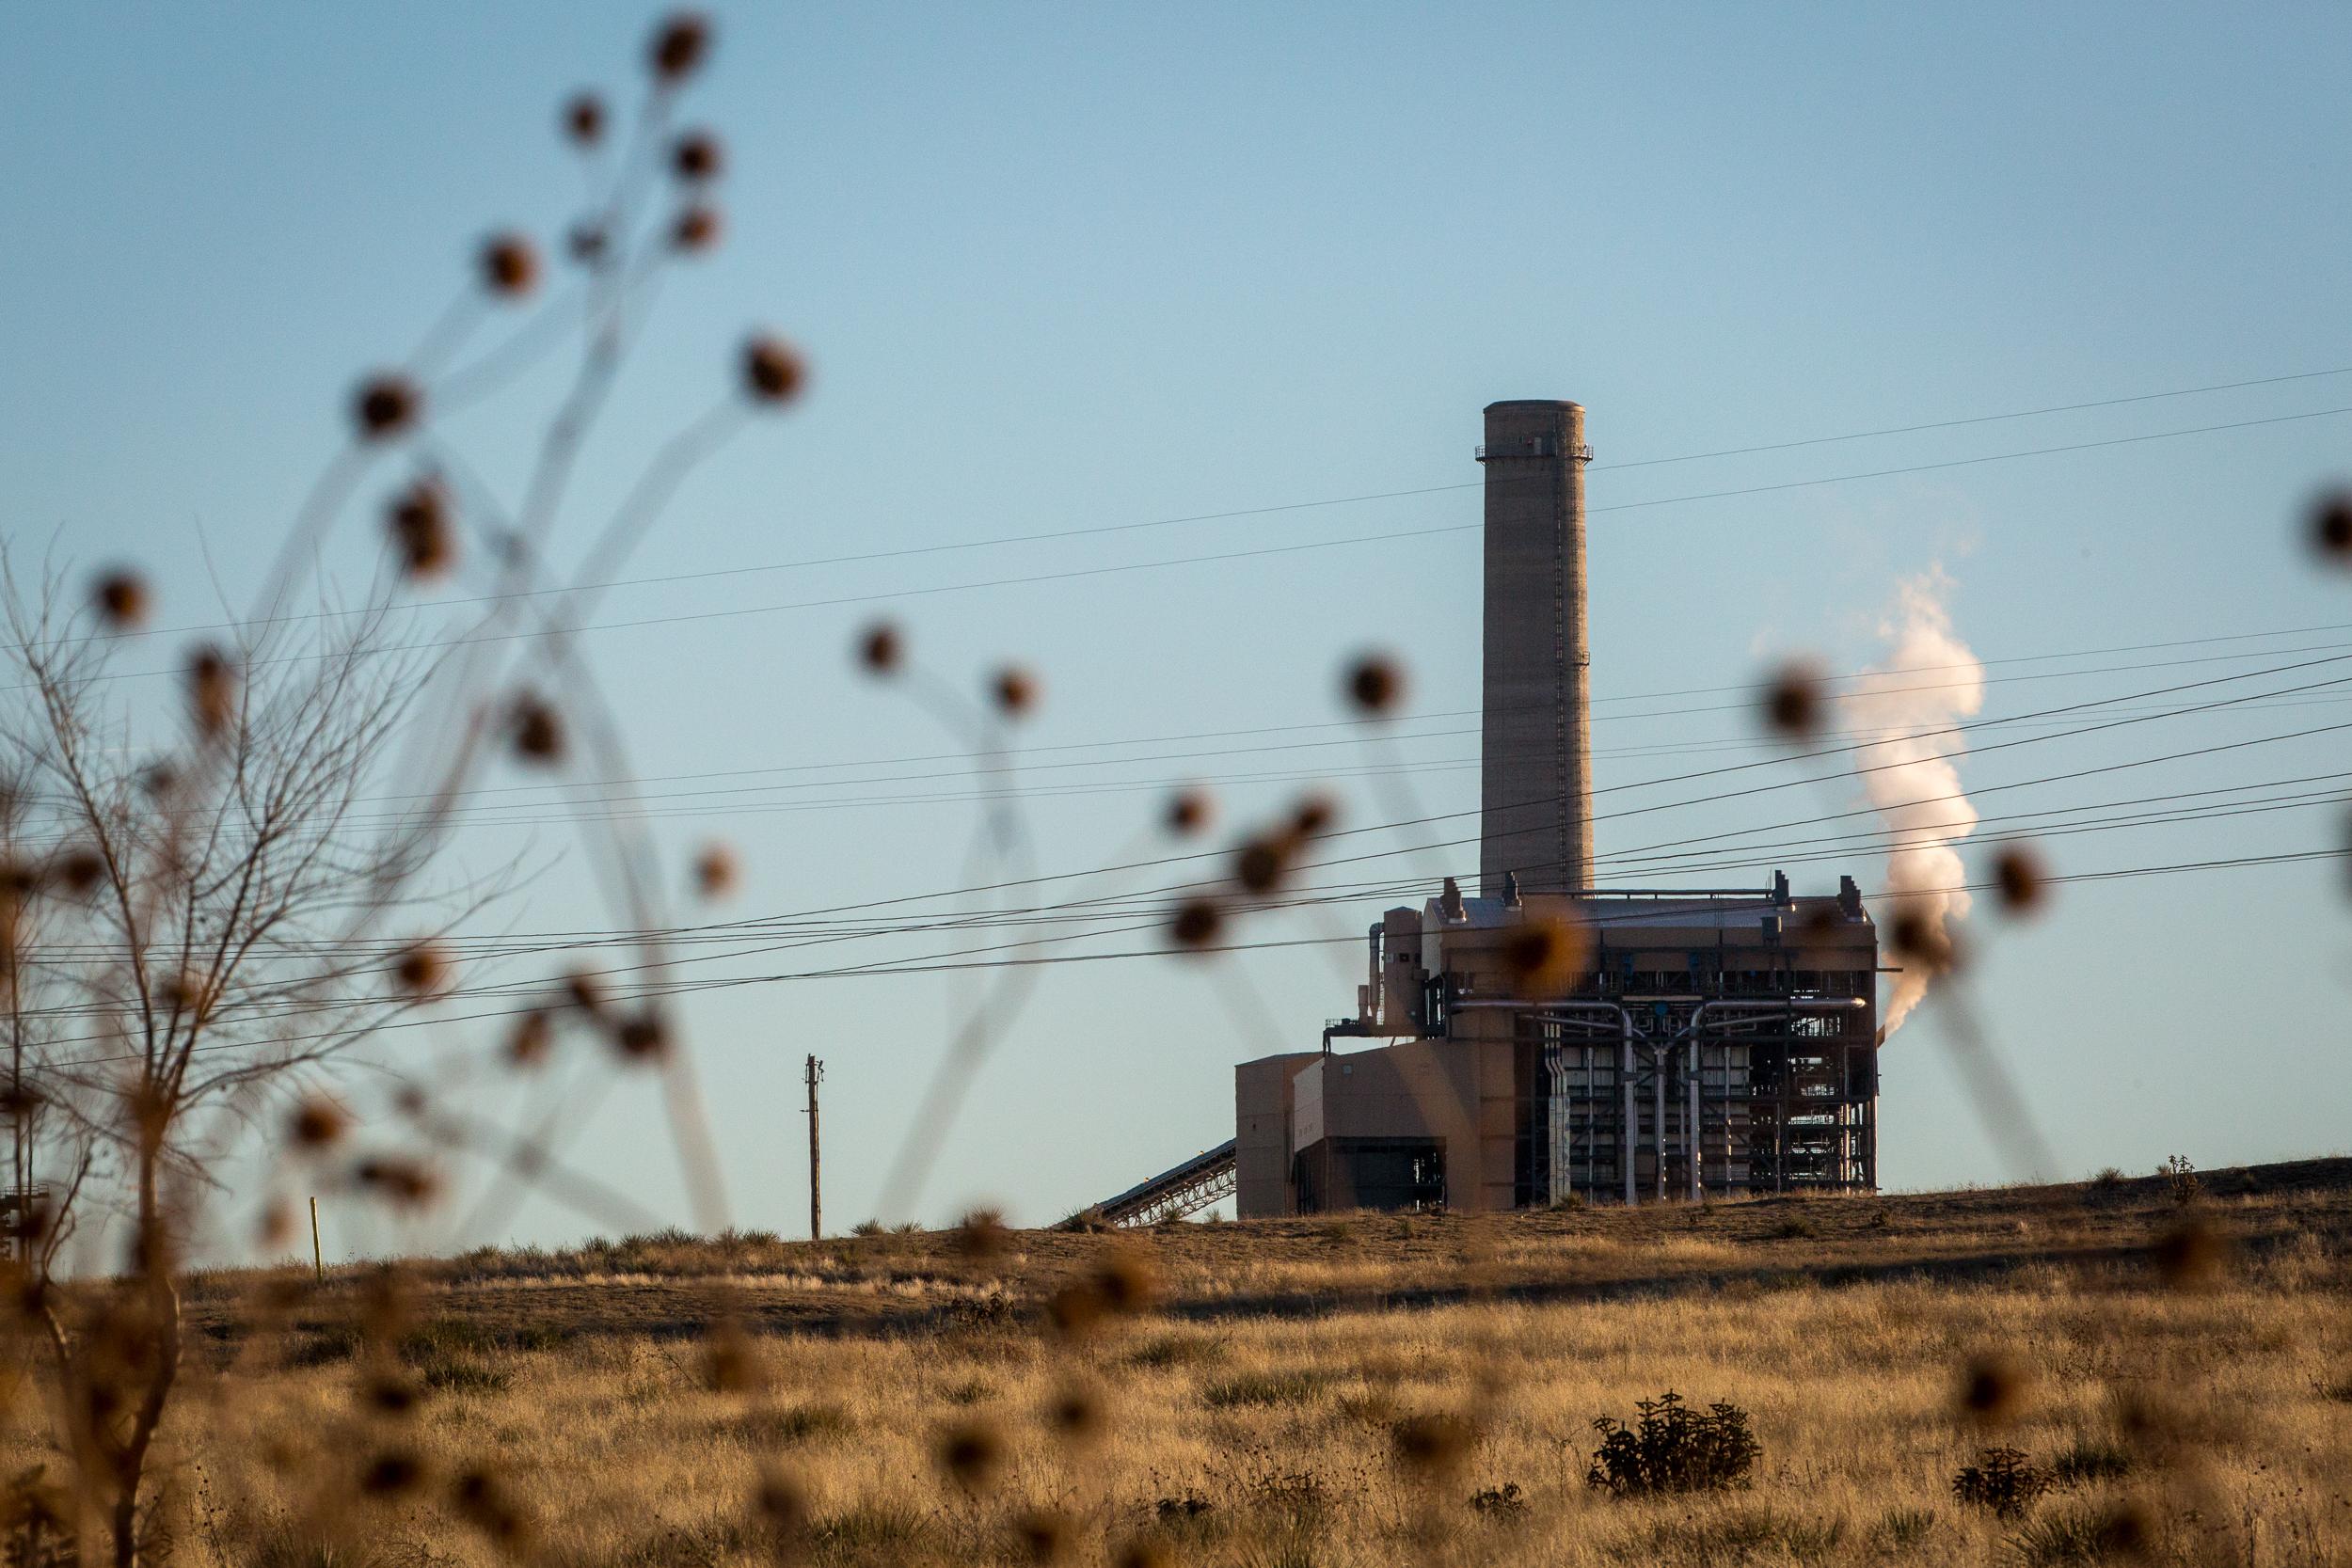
point(816, 1074)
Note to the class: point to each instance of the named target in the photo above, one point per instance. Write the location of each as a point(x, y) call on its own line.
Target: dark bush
point(326, 1346)
point(1295, 1386)
point(2003, 1479)
point(1673, 1448)
point(2090, 1460)
point(1500, 1502)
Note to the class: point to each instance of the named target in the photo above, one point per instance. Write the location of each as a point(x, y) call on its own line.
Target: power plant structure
point(1548, 1040)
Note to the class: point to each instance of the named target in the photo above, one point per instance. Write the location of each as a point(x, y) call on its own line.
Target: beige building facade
point(1717, 1043)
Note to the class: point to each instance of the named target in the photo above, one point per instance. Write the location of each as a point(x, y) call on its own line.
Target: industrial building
point(1552, 1039)
point(1544, 1040)
point(1701, 1043)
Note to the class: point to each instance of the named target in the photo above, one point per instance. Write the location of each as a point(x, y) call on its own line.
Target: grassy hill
point(1342, 1390)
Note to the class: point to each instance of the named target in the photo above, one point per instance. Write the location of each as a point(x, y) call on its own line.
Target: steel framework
point(1176, 1193)
point(1651, 1097)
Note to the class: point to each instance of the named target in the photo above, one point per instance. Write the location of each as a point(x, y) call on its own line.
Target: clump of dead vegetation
point(1671, 1447)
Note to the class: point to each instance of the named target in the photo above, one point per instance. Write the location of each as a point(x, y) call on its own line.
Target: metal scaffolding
point(1690, 1096)
point(1174, 1194)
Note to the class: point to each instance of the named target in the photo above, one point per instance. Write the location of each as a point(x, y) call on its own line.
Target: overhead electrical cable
point(2172, 869)
point(575, 797)
point(1122, 904)
point(1057, 535)
point(2163, 810)
point(527, 634)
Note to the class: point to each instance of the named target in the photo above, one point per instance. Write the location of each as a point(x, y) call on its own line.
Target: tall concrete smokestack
point(1535, 789)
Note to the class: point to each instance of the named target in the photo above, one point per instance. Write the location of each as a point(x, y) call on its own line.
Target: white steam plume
point(1928, 681)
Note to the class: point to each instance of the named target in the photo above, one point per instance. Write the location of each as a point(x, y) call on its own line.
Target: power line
point(754, 929)
point(1192, 856)
point(1364, 733)
point(1268, 510)
point(2038, 825)
point(1112, 904)
point(1980, 419)
point(2113, 874)
point(1261, 552)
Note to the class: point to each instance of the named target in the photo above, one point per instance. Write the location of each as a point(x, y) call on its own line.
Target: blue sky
point(1059, 267)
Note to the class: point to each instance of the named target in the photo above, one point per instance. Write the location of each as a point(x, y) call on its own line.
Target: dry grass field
point(1348, 1390)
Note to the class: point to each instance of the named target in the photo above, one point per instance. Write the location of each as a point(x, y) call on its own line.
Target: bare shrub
point(2180, 1180)
point(203, 908)
point(1505, 1503)
point(2005, 1479)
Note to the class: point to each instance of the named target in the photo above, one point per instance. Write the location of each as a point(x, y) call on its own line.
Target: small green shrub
point(869, 1228)
point(2003, 1479)
point(2108, 1182)
point(1673, 1448)
point(1796, 1227)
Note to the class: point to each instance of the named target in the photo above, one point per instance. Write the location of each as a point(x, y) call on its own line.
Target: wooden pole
point(318, 1258)
point(816, 1071)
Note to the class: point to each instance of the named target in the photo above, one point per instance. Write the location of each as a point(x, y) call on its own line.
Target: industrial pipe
point(1691, 1032)
point(1564, 1012)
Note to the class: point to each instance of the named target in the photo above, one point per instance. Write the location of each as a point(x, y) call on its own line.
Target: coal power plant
point(1546, 1040)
